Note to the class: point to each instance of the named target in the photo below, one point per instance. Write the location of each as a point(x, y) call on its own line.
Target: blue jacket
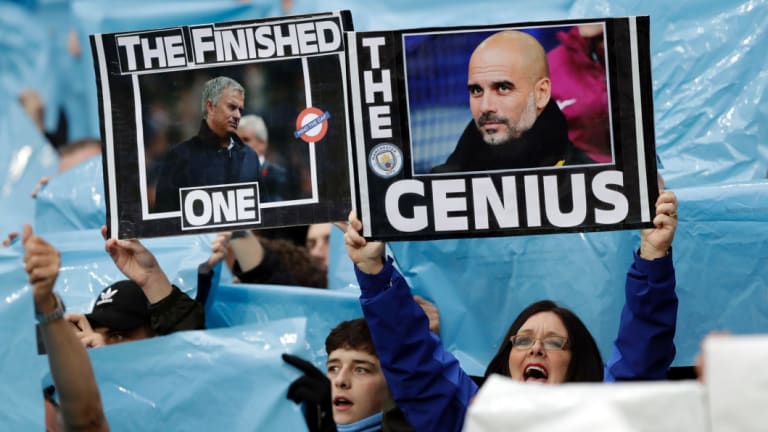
point(433, 391)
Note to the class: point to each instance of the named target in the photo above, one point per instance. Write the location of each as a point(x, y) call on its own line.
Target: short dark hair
point(297, 260)
point(586, 364)
point(352, 335)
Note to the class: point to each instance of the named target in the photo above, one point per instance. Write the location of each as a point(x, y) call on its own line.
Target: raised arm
point(426, 381)
point(171, 309)
point(71, 370)
point(139, 265)
point(644, 348)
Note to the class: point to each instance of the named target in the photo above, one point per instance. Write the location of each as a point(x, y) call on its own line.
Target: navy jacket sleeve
point(644, 348)
point(426, 381)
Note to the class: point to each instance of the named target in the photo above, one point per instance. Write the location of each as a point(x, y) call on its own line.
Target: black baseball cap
point(120, 306)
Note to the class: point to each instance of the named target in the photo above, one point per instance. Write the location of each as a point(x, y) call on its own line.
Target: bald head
point(508, 83)
point(514, 48)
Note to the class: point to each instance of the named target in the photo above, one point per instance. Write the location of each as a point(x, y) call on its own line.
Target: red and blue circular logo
point(312, 124)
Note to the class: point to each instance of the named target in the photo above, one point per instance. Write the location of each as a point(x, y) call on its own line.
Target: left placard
point(225, 126)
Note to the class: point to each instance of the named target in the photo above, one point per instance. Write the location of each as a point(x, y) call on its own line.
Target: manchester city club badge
point(386, 160)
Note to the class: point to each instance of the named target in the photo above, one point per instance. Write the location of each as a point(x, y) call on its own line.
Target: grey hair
point(257, 125)
point(215, 87)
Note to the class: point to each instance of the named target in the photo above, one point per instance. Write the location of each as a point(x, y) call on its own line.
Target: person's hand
point(219, 248)
point(655, 242)
point(432, 313)
point(41, 262)
point(12, 236)
point(366, 255)
point(313, 389)
point(84, 331)
point(73, 44)
point(33, 104)
point(40, 185)
point(138, 264)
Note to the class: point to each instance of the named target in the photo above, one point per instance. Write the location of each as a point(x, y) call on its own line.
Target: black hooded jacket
point(545, 144)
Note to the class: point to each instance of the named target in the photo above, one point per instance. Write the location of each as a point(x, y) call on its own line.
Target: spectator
point(545, 343)
point(79, 407)
point(353, 395)
point(318, 242)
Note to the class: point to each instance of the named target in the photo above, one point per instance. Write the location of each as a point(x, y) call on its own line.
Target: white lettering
point(217, 43)
point(287, 40)
point(380, 121)
point(532, 203)
point(373, 45)
point(234, 43)
point(223, 206)
point(157, 52)
point(401, 223)
point(484, 195)
point(443, 204)
point(325, 28)
point(616, 199)
point(265, 41)
point(202, 45)
point(552, 202)
point(251, 43)
point(174, 50)
point(452, 201)
point(307, 38)
point(129, 43)
point(371, 87)
point(189, 208)
point(246, 204)
point(215, 207)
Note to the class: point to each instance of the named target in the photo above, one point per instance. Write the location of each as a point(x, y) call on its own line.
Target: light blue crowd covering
point(708, 62)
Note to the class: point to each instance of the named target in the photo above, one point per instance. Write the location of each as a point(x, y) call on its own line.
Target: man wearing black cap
point(144, 306)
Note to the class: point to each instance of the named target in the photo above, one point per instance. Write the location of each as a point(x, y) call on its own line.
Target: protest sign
point(171, 101)
point(549, 128)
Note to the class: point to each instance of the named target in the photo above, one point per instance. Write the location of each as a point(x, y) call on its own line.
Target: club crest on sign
point(385, 160)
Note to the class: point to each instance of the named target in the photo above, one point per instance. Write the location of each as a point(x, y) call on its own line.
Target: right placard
point(503, 130)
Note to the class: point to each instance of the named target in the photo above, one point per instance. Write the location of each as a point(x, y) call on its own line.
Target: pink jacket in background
point(579, 87)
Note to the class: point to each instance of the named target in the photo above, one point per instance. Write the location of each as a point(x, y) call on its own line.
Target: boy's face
point(358, 387)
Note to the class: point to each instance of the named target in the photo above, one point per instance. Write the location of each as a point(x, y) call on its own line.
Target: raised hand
point(655, 242)
point(138, 264)
point(41, 262)
point(366, 255)
point(11, 239)
point(219, 248)
point(432, 313)
point(88, 337)
point(40, 185)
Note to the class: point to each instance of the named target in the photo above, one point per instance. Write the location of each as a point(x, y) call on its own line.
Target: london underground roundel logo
point(311, 124)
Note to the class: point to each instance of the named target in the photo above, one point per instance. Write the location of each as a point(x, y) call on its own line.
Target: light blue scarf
point(368, 424)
